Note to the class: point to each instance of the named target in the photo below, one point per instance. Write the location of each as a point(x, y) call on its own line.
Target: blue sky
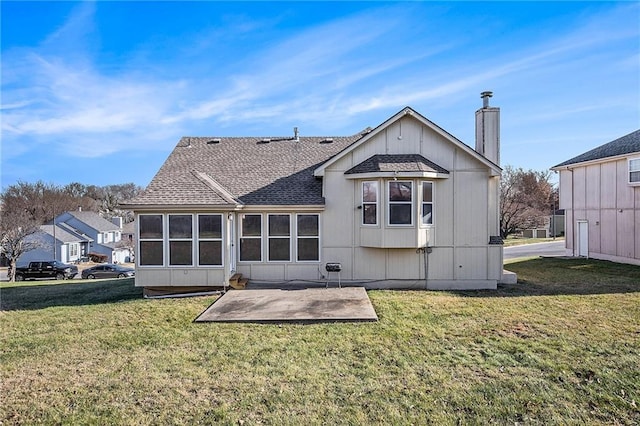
point(100, 92)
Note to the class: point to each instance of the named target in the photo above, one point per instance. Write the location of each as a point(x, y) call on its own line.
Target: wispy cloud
point(323, 75)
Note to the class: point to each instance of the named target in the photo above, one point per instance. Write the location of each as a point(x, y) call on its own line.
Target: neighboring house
point(600, 192)
point(79, 236)
point(404, 205)
point(65, 244)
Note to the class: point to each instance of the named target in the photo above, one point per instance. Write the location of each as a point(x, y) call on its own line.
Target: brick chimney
point(488, 130)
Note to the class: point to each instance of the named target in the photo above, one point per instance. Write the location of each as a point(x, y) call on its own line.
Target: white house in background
point(79, 235)
point(600, 192)
point(404, 205)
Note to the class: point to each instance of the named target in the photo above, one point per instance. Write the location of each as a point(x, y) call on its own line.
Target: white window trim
point(168, 241)
point(377, 203)
point(432, 202)
point(629, 161)
point(162, 240)
point(297, 237)
point(389, 203)
point(261, 238)
point(198, 239)
point(269, 237)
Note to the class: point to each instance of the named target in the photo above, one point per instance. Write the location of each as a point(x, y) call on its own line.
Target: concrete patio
point(307, 305)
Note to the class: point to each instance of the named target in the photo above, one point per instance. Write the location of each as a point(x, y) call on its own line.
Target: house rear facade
point(600, 192)
point(403, 205)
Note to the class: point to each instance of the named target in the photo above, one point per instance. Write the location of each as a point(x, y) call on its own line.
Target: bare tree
point(16, 227)
point(525, 197)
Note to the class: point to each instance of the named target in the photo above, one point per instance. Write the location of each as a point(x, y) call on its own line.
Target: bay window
point(427, 203)
point(400, 196)
point(370, 203)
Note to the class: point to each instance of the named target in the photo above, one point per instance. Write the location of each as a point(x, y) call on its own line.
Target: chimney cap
point(485, 98)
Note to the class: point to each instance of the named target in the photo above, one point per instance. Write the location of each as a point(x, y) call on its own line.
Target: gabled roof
point(95, 221)
point(625, 145)
point(232, 171)
point(61, 234)
point(396, 163)
point(495, 169)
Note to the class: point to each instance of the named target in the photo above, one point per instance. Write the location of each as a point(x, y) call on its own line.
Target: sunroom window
point(400, 197)
point(370, 203)
point(180, 239)
point(634, 170)
point(210, 240)
point(151, 239)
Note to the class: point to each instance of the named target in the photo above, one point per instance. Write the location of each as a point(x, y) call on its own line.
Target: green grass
point(562, 347)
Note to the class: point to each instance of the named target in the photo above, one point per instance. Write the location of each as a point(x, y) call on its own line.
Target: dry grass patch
point(537, 352)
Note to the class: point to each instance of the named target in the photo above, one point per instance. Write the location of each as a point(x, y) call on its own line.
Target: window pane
point(308, 249)
point(279, 224)
point(399, 191)
point(400, 214)
point(370, 192)
point(250, 249)
point(150, 252)
point(210, 226)
point(210, 252)
point(308, 224)
point(252, 225)
point(634, 165)
point(427, 192)
point(180, 226)
point(279, 249)
point(634, 177)
point(180, 253)
point(150, 226)
point(427, 214)
point(369, 214)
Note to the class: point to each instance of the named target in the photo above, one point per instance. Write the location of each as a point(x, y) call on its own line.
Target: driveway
point(554, 248)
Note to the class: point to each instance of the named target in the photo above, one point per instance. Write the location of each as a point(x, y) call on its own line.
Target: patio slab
point(305, 305)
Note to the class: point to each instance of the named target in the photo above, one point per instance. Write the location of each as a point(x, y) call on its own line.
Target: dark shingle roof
point(396, 163)
point(624, 145)
point(246, 170)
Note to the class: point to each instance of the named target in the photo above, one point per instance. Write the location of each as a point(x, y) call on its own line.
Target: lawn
point(561, 347)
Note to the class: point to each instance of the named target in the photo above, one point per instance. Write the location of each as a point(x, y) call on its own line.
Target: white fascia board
point(597, 161)
point(399, 175)
point(159, 208)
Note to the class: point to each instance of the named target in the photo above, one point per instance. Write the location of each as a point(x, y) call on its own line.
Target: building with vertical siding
point(402, 205)
point(600, 192)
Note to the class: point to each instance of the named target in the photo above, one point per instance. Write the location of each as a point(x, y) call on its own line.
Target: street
point(554, 248)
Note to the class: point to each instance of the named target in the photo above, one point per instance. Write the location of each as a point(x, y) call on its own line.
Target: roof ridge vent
point(326, 140)
point(214, 141)
point(264, 140)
